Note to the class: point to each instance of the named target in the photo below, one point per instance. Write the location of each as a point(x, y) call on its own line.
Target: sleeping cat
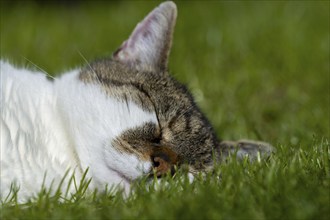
point(122, 117)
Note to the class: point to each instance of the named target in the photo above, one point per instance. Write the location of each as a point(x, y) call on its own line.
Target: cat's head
point(137, 72)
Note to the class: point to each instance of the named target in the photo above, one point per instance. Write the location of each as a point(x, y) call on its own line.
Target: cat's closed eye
point(156, 141)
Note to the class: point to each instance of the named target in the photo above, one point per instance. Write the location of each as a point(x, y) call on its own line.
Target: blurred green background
point(258, 69)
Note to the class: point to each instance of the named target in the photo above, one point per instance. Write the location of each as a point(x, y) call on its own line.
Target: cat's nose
point(164, 159)
point(162, 166)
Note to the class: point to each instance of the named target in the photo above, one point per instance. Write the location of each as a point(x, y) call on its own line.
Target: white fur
point(61, 125)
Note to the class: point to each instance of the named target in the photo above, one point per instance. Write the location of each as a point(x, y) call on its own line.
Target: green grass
point(259, 70)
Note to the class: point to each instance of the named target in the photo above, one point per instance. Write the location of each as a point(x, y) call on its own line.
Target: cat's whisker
point(47, 74)
point(36, 90)
point(39, 68)
point(91, 68)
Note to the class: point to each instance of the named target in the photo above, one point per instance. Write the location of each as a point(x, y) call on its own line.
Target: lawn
point(258, 70)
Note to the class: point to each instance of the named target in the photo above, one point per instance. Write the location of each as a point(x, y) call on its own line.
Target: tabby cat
point(122, 117)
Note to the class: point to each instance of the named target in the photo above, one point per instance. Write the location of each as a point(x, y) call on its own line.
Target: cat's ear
point(245, 148)
point(149, 45)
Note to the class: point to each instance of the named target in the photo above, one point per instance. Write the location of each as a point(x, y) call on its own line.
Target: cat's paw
point(246, 148)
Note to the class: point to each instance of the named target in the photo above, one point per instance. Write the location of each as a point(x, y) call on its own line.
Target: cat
point(121, 117)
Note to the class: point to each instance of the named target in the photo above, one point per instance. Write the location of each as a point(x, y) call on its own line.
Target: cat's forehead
point(109, 70)
point(122, 82)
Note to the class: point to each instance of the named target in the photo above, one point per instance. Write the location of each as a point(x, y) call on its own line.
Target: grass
point(259, 70)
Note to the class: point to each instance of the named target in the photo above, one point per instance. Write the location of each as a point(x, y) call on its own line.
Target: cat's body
point(122, 117)
point(32, 136)
point(46, 126)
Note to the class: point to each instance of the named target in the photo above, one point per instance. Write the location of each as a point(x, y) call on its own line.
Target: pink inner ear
point(128, 49)
point(118, 54)
point(149, 43)
point(141, 30)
